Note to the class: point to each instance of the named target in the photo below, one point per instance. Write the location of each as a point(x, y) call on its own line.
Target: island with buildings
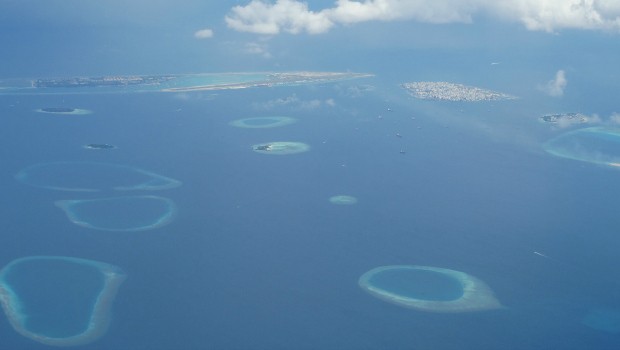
point(444, 91)
point(565, 118)
point(77, 82)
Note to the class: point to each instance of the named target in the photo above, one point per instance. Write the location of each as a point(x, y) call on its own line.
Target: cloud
point(551, 15)
point(354, 91)
point(255, 48)
point(195, 95)
point(556, 86)
point(294, 102)
point(294, 16)
point(288, 15)
point(568, 120)
point(203, 34)
point(614, 118)
point(579, 119)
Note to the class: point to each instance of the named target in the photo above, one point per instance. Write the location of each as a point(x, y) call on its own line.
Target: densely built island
point(444, 91)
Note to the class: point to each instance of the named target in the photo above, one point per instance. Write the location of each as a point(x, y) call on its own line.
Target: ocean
point(256, 256)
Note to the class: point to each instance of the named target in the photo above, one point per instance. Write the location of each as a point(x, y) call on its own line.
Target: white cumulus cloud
point(555, 87)
point(551, 15)
point(294, 16)
point(288, 15)
point(257, 48)
point(203, 33)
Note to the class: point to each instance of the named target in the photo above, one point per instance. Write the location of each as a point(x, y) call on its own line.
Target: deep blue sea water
point(258, 258)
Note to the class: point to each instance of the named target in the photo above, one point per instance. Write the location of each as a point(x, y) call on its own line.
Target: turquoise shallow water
point(595, 145)
point(419, 284)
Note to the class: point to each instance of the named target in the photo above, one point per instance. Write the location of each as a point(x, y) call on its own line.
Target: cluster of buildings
point(445, 91)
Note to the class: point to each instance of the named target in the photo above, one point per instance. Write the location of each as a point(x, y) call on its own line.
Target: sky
point(87, 37)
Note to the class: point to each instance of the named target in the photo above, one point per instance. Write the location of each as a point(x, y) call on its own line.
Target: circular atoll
point(429, 288)
point(598, 145)
point(262, 122)
point(93, 177)
point(281, 148)
point(343, 199)
point(64, 110)
point(130, 213)
point(57, 300)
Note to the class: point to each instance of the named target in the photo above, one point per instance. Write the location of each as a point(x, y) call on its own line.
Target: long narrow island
point(170, 82)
